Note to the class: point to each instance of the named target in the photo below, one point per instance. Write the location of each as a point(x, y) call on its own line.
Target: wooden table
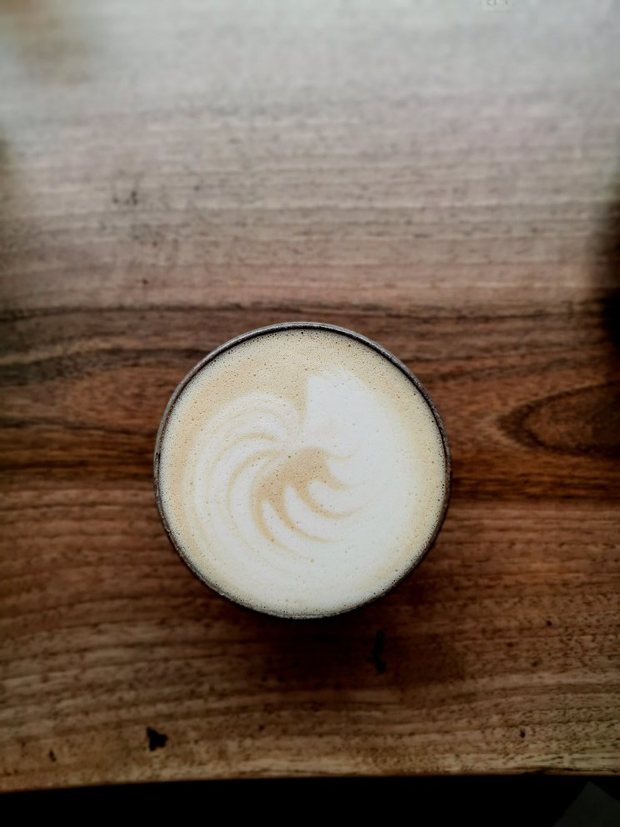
point(440, 176)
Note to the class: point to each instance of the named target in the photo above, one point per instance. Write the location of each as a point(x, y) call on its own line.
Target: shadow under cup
point(441, 454)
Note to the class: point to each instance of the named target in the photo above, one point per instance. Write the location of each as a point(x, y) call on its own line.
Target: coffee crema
point(301, 470)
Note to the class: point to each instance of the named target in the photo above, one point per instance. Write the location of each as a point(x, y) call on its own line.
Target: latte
point(301, 470)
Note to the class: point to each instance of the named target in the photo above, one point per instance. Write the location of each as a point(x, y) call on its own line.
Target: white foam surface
point(301, 473)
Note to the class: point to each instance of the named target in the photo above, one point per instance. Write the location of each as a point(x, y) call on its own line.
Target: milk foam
point(301, 473)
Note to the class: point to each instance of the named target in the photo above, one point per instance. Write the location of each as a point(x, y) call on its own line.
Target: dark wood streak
point(563, 432)
point(579, 422)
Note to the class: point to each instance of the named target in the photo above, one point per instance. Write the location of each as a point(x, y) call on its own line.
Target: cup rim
point(278, 328)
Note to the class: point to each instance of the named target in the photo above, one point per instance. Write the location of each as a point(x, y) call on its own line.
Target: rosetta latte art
point(301, 473)
point(284, 475)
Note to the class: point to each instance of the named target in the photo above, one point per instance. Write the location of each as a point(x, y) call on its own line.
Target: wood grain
point(439, 177)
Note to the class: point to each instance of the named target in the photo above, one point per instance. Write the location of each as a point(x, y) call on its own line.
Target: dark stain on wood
point(157, 740)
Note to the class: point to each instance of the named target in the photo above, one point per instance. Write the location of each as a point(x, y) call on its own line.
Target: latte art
point(301, 472)
point(284, 474)
point(295, 473)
